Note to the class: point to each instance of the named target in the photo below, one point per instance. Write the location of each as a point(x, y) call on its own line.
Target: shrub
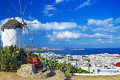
point(10, 56)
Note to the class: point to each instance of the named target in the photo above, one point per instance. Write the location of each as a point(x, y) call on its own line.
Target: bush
point(9, 58)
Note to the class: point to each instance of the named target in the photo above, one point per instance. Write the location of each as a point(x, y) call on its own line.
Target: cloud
point(98, 35)
point(109, 41)
point(117, 20)
point(105, 41)
point(106, 22)
point(83, 28)
point(99, 39)
point(84, 4)
point(64, 35)
point(3, 22)
point(76, 35)
point(49, 10)
point(58, 1)
point(53, 25)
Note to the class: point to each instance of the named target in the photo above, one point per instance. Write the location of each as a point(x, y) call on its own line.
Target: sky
point(67, 23)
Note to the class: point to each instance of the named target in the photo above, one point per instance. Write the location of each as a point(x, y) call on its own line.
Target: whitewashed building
point(11, 33)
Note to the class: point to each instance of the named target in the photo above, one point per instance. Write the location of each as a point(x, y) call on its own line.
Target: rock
point(41, 75)
point(62, 75)
point(29, 70)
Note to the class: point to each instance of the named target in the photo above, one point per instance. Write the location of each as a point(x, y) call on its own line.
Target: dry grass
point(117, 77)
point(14, 76)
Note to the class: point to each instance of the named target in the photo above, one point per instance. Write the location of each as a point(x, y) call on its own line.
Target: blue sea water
point(86, 51)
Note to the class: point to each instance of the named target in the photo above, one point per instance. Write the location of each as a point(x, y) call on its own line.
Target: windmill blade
point(32, 31)
point(21, 11)
point(24, 11)
point(9, 14)
point(31, 23)
point(29, 33)
point(15, 7)
point(28, 17)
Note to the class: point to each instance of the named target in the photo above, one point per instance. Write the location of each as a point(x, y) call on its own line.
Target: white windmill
point(11, 31)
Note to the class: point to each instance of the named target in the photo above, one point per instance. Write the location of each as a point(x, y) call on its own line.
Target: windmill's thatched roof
point(11, 24)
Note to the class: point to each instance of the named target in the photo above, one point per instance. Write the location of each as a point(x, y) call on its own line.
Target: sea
point(85, 51)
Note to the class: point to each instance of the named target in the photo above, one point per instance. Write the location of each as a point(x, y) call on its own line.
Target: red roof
point(117, 64)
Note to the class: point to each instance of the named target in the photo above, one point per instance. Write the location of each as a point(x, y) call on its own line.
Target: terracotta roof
point(117, 64)
point(11, 24)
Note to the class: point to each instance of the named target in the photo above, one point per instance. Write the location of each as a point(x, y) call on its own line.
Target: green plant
point(10, 56)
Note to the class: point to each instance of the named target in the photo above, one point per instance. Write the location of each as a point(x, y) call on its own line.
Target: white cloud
point(99, 39)
point(106, 22)
point(67, 34)
point(109, 41)
point(3, 22)
point(102, 41)
point(58, 1)
point(83, 28)
point(117, 20)
point(76, 35)
point(87, 3)
point(98, 35)
point(49, 10)
point(54, 25)
point(64, 35)
point(68, 40)
point(118, 37)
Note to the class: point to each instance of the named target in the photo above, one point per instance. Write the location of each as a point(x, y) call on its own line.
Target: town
point(94, 63)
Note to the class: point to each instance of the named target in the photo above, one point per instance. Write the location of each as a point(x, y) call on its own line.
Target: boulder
point(29, 70)
point(41, 75)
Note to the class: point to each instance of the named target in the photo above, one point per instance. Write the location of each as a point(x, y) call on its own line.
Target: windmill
point(11, 31)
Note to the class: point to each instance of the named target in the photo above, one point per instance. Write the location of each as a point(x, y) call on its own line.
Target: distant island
point(33, 48)
point(79, 49)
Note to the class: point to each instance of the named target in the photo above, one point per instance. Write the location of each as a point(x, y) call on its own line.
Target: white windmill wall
point(12, 37)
